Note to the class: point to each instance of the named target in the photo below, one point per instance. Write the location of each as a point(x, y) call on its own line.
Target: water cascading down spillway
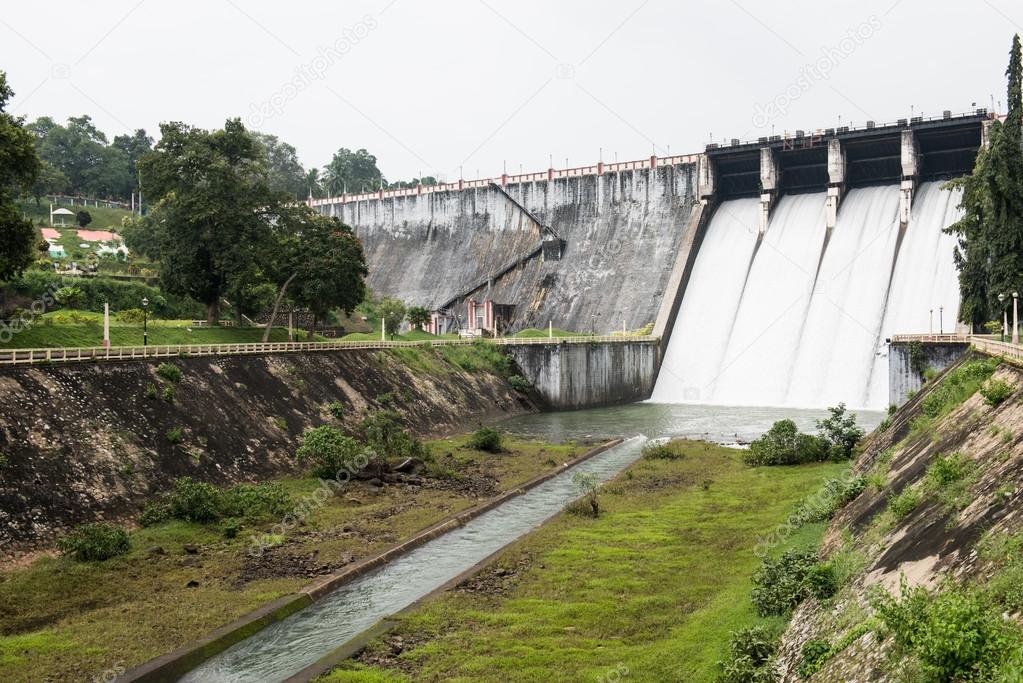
point(799, 318)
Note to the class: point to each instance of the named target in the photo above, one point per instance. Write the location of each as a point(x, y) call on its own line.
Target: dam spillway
point(808, 327)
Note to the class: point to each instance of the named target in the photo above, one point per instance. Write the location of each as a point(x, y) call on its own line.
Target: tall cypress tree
point(990, 250)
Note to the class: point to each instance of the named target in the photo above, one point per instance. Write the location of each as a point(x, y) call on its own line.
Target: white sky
point(434, 86)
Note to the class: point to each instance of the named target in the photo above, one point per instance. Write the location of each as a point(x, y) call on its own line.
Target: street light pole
point(930, 322)
point(1005, 316)
point(1015, 317)
point(941, 324)
point(145, 321)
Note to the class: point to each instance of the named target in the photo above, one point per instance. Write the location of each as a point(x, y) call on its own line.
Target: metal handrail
point(122, 353)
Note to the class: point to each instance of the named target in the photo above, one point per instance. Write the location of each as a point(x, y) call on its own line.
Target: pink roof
point(96, 235)
point(50, 234)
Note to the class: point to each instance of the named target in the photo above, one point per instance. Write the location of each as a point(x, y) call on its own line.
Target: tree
point(83, 218)
point(392, 311)
point(332, 267)
point(352, 172)
point(19, 169)
point(989, 252)
point(213, 225)
point(840, 431)
point(134, 146)
point(50, 180)
point(418, 317)
point(312, 187)
point(286, 174)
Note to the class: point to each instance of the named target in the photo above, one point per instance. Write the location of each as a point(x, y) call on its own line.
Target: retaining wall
point(907, 362)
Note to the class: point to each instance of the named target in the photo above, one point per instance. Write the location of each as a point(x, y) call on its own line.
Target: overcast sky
point(436, 86)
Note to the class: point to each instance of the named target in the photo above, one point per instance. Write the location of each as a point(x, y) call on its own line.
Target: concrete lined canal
point(287, 647)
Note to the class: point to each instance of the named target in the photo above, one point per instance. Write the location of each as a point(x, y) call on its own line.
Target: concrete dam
point(773, 271)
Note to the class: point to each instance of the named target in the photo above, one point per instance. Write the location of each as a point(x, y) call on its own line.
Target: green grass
point(413, 335)
point(46, 333)
point(532, 333)
point(654, 585)
point(102, 218)
point(63, 620)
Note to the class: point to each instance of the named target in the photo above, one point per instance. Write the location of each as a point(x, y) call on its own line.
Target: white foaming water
point(715, 288)
point(780, 332)
point(773, 306)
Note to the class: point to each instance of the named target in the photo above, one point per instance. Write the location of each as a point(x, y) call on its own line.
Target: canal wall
point(570, 376)
point(908, 361)
point(623, 226)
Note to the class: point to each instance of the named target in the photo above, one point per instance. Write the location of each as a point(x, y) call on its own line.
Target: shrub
point(995, 391)
point(168, 394)
point(947, 469)
point(131, 315)
point(195, 501)
point(956, 635)
point(152, 392)
point(69, 297)
point(814, 654)
point(385, 437)
point(519, 383)
point(330, 452)
point(958, 385)
point(3, 462)
point(486, 439)
point(231, 528)
point(749, 656)
point(386, 399)
point(784, 445)
point(781, 584)
point(169, 371)
point(255, 501)
point(822, 505)
point(174, 435)
point(904, 503)
point(95, 542)
point(840, 431)
point(821, 581)
point(664, 451)
point(336, 409)
point(155, 513)
point(589, 486)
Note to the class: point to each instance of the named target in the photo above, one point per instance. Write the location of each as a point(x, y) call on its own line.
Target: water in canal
point(289, 646)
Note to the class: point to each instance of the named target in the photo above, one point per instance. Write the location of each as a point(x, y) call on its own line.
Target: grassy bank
point(66, 620)
point(651, 589)
point(84, 328)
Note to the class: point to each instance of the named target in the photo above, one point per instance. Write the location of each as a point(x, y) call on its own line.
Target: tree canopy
point(352, 172)
point(989, 253)
point(82, 160)
point(19, 169)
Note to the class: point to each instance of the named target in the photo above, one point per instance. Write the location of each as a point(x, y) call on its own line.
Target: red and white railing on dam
point(127, 353)
point(600, 168)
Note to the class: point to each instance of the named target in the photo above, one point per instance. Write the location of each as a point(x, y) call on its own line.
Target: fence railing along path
point(127, 353)
point(994, 347)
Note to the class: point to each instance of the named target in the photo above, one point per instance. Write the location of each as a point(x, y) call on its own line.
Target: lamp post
point(1015, 317)
point(145, 321)
point(1005, 316)
point(930, 322)
point(941, 324)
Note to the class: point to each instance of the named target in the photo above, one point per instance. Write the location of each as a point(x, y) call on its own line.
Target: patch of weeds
point(385, 399)
point(901, 505)
point(419, 360)
point(995, 391)
point(486, 439)
point(949, 478)
point(95, 542)
point(174, 435)
point(152, 393)
point(957, 386)
point(231, 528)
point(551, 462)
point(672, 450)
point(127, 470)
point(280, 423)
point(169, 372)
point(781, 584)
point(817, 653)
point(520, 384)
point(168, 394)
point(203, 503)
point(336, 409)
point(3, 462)
point(832, 496)
point(751, 652)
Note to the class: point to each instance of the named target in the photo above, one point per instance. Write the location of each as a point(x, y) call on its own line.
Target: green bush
point(664, 451)
point(486, 439)
point(69, 297)
point(840, 431)
point(336, 409)
point(520, 383)
point(120, 294)
point(781, 584)
point(904, 503)
point(151, 391)
point(195, 501)
point(155, 513)
point(169, 371)
point(329, 452)
point(255, 501)
point(385, 437)
point(958, 385)
point(750, 652)
point(955, 635)
point(168, 394)
point(814, 655)
point(133, 316)
point(995, 391)
point(95, 542)
point(783, 444)
point(231, 528)
point(174, 435)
